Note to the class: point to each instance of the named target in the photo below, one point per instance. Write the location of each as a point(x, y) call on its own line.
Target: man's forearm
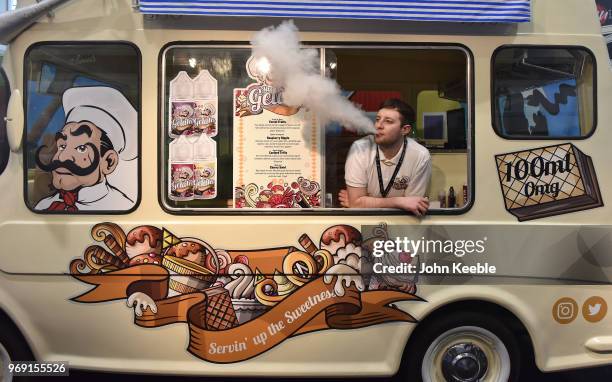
point(375, 202)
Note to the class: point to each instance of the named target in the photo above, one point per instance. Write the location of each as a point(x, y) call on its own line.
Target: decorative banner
point(239, 304)
point(548, 181)
point(277, 148)
point(313, 307)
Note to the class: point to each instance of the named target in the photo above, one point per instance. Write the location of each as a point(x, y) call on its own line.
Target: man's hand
point(415, 204)
point(344, 198)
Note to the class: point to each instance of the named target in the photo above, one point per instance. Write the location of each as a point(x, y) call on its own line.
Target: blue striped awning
point(500, 11)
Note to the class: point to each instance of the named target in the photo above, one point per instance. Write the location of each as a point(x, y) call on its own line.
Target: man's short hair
point(406, 112)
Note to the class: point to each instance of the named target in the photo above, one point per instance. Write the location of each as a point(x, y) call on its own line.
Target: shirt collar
point(94, 193)
point(395, 159)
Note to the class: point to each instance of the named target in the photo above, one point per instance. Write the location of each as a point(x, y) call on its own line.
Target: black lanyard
point(385, 190)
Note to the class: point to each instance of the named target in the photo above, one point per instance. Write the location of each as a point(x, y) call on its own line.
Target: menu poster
point(277, 149)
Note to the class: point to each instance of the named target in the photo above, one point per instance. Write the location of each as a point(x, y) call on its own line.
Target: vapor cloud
point(296, 69)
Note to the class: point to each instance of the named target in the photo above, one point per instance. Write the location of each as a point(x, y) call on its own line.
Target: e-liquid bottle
point(205, 166)
point(181, 108)
point(181, 170)
point(452, 200)
point(206, 104)
point(442, 198)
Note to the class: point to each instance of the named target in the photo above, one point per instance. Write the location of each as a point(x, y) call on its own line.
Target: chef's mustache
point(69, 164)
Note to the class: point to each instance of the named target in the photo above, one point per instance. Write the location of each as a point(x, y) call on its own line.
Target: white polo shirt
point(411, 180)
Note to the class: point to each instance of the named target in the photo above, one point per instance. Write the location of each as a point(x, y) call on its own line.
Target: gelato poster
point(277, 148)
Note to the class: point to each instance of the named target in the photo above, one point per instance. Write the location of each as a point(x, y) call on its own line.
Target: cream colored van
point(167, 208)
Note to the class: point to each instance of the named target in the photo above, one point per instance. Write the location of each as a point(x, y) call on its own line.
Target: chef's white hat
point(110, 111)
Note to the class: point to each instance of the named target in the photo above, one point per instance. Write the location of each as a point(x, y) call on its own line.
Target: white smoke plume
point(296, 69)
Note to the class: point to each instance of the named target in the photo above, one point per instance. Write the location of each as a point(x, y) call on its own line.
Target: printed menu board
point(277, 149)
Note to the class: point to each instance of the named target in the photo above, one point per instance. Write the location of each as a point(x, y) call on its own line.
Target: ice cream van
point(172, 176)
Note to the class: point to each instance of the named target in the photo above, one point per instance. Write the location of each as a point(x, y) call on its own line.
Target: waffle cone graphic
point(547, 181)
point(218, 313)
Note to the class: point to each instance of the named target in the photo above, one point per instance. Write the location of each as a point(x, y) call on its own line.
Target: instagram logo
point(565, 310)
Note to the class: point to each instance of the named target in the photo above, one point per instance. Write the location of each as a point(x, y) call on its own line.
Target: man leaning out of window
point(388, 169)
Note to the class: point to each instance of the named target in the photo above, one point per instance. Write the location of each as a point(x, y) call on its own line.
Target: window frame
point(334, 211)
point(4, 162)
point(139, 121)
point(500, 134)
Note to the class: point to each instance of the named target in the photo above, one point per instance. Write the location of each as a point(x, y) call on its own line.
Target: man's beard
point(69, 164)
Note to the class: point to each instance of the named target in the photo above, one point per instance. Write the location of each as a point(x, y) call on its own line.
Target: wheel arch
point(15, 317)
point(7, 323)
point(474, 305)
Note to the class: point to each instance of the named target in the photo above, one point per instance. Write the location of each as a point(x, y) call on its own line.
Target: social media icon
point(565, 310)
point(594, 309)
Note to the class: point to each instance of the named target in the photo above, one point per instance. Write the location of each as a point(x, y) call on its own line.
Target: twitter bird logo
point(594, 309)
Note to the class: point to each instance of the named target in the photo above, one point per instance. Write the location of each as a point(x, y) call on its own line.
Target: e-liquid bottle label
point(205, 180)
point(181, 169)
point(205, 160)
point(182, 177)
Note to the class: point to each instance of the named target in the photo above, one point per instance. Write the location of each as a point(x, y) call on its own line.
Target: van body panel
point(556, 347)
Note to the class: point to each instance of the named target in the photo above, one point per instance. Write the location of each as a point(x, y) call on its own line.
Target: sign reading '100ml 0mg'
point(536, 168)
point(547, 181)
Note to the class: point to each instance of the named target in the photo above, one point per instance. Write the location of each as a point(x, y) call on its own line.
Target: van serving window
point(230, 144)
point(504, 11)
point(82, 149)
point(5, 93)
point(543, 92)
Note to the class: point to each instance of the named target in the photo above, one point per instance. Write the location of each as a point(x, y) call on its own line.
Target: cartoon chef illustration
point(99, 137)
